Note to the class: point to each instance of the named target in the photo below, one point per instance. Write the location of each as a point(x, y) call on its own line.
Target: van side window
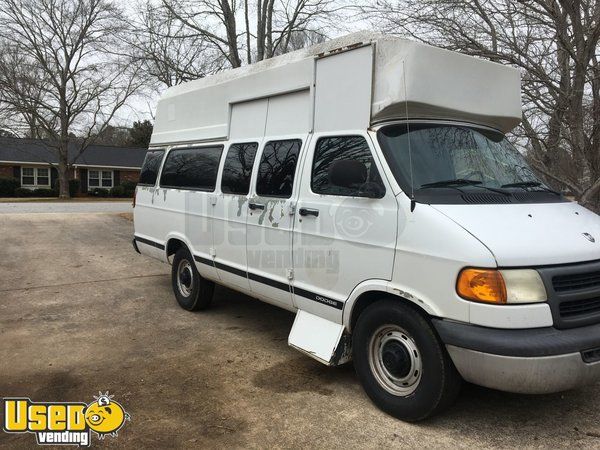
point(151, 166)
point(331, 150)
point(192, 168)
point(277, 168)
point(238, 168)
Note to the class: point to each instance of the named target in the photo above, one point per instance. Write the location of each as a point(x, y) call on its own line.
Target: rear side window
point(277, 168)
point(151, 167)
point(334, 149)
point(192, 168)
point(238, 168)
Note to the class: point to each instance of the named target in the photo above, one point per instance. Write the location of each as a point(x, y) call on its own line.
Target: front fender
point(386, 288)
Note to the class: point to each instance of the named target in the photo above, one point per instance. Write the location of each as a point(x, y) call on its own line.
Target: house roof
point(16, 150)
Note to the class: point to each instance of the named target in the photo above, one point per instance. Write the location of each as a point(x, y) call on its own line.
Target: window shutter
point(17, 173)
point(116, 178)
point(83, 178)
point(54, 177)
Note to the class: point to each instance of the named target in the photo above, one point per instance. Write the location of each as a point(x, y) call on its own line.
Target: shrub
point(117, 191)
point(23, 192)
point(44, 192)
point(99, 192)
point(73, 187)
point(8, 186)
point(129, 188)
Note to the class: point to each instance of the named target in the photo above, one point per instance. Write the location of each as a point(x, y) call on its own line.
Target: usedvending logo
point(65, 423)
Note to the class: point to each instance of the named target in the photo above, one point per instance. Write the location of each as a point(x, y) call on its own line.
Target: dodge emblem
point(589, 237)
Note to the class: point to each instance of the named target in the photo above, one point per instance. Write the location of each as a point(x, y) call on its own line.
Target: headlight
point(510, 286)
point(523, 286)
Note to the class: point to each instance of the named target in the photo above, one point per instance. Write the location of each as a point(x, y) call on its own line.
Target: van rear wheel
point(401, 363)
point(193, 292)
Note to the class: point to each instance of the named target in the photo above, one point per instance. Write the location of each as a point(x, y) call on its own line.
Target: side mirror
point(352, 174)
point(347, 173)
point(371, 190)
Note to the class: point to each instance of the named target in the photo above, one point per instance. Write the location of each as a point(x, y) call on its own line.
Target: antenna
point(413, 203)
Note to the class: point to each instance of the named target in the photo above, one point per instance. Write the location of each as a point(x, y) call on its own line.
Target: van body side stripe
point(273, 283)
point(226, 268)
point(201, 259)
point(149, 242)
point(269, 282)
point(318, 298)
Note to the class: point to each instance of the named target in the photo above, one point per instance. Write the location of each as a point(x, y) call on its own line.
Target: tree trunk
point(230, 28)
point(247, 21)
point(269, 30)
point(63, 171)
point(260, 30)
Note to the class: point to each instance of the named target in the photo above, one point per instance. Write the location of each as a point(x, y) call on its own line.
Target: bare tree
point(556, 45)
point(255, 29)
point(167, 52)
point(62, 70)
point(27, 82)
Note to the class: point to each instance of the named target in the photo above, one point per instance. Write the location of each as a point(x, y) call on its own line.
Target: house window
point(43, 177)
point(35, 176)
point(100, 178)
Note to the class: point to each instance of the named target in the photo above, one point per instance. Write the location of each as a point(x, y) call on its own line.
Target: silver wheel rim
point(185, 278)
point(395, 360)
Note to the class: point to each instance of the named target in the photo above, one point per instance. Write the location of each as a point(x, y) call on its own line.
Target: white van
point(366, 185)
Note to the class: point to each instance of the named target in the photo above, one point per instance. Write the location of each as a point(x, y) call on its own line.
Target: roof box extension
point(406, 79)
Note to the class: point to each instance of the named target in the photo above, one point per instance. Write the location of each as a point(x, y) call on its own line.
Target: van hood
point(531, 234)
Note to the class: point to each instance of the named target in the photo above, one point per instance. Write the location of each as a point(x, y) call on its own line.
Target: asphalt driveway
point(80, 312)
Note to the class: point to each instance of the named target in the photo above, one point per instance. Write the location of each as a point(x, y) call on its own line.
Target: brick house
point(34, 164)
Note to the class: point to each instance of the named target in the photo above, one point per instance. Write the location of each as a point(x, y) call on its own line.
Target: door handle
point(309, 212)
point(254, 206)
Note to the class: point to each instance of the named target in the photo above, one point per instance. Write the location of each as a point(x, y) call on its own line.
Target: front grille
point(573, 282)
point(573, 293)
point(579, 307)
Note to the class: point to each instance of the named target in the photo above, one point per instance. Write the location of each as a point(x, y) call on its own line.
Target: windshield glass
point(455, 157)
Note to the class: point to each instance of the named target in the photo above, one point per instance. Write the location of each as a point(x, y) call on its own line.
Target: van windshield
point(450, 163)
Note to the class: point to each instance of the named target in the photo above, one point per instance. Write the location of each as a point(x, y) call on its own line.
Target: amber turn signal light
point(481, 285)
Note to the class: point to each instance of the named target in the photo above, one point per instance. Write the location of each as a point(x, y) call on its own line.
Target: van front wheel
point(401, 363)
point(191, 290)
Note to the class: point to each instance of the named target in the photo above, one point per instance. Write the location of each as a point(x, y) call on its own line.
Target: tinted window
point(343, 148)
point(277, 168)
point(238, 168)
point(151, 166)
point(192, 168)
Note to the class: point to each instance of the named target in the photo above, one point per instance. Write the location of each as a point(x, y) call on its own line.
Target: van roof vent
point(485, 198)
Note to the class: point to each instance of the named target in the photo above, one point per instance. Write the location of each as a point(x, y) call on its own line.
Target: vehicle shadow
point(487, 415)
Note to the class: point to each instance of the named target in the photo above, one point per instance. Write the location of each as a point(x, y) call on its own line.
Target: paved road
point(81, 312)
point(64, 207)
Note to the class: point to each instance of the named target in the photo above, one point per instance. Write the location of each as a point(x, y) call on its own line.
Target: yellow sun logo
point(105, 416)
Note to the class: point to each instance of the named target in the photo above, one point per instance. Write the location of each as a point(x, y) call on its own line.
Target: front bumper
point(528, 361)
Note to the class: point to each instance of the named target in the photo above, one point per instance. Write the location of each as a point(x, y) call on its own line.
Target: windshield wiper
point(451, 183)
point(463, 182)
point(530, 184)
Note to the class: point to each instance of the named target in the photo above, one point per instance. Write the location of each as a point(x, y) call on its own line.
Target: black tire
point(195, 292)
point(398, 331)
